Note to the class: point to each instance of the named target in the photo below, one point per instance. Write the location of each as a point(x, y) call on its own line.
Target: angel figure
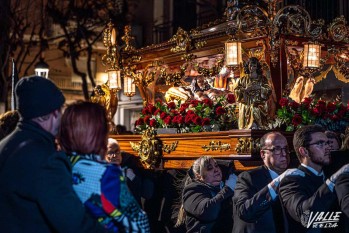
point(302, 88)
point(106, 97)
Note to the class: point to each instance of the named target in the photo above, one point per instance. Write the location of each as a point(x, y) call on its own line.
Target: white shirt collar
point(273, 174)
point(313, 170)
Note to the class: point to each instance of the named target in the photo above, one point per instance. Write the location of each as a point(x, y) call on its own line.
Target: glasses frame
point(285, 149)
point(319, 143)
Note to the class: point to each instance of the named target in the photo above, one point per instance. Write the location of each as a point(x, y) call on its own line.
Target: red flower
point(296, 120)
point(307, 101)
point(197, 120)
point(151, 108)
point(171, 105)
point(194, 103)
point(321, 109)
point(146, 119)
point(331, 107)
point(294, 105)
point(317, 111)
point(191, 115)
point(145, 111)
point(174, 112)
point(163, 115)
point(167, 120)
point(140, 121)
point(321, 103)
point(188, 119)
point(179, 119)
point(283, 102)
point(183, 107)
point(208, 102)
point(231, 98)
point(152, 123)
point(220, 110)
point(205, 121)
point(190, 112)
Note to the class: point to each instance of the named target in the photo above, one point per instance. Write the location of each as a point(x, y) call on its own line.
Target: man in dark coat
point(256, 204)
point(342, 190)
point(36, 193)
point(306, 197)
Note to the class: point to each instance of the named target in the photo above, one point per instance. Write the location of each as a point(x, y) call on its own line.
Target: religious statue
point(199, 89)
point(106, 97)
point(252, 93)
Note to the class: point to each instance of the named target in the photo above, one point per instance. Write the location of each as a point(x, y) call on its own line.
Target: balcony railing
point(67, 85)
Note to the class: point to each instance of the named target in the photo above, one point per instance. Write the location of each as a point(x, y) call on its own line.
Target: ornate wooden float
point(275, 37)
point(178, 151)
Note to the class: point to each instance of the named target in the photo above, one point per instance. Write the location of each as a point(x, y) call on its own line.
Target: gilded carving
point(148, 149)
point(182, 40)
point(338, 30)
point(168, 148)
point(247, 146)
point(216, 145)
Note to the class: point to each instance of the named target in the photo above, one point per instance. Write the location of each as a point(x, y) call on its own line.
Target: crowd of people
point(59, 172)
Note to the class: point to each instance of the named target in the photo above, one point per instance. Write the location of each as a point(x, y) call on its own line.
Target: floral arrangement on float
point(332, 115)
point(190, 116)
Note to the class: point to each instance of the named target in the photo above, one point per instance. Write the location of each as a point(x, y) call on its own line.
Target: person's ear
point(303, 151)
point(56, 113)
point(262, 154)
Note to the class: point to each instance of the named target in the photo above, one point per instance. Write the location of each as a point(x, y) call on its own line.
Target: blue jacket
point(103, 190)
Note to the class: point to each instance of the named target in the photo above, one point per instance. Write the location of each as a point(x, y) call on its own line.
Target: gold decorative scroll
point(175, 78)
point(112, 56)
point(341, 77)
point(247, 146)
point(322, 74)
point(127, 38)
point(295, 20)
point(168, 148)
point(182, 40)
point(148, 149)
point(209, 72)
point(214, 146)
point(142, 79)
point(338, 30)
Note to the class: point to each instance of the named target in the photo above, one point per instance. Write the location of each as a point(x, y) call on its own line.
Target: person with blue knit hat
point(36, 192)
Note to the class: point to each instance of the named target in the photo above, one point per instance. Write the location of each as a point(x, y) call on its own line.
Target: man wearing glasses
point(305, 197)
point(256, 204)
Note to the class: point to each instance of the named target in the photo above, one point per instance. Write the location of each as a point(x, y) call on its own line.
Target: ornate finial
point(112, 57)
point(127, 38)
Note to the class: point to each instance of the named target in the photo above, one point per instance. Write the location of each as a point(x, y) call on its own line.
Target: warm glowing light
point(233, 55)
point(129, 86)
point(114, 78)
point(42, 68)
point(113, 36)
point(312, 54)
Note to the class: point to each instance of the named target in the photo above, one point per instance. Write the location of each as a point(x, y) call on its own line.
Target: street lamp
point(42, 68)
